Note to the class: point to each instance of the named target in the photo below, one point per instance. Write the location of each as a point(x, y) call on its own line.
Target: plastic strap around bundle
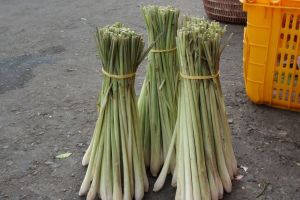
point(125, 76)
point(190, 77)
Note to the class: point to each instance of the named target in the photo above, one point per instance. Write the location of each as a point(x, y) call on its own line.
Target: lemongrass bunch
point(157, 102)
point(115, 158)
point(205, 161)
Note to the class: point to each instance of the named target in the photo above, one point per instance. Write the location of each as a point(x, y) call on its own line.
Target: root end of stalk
point(158, 184)
point(85, 161)
point(221, 196)
point(86, 157)
point(81, 193)
point(221, 192)
point(139, 196)
point(156, 188)
point(154, 174)
point(214, 194)
point(146, 186)
point(91, 195)
point(84, 188)
point(174, 180)
point(228, 188)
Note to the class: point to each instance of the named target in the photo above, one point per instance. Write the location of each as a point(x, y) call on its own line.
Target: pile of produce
point(205, 161)
point(157, 103)
point(115, 158)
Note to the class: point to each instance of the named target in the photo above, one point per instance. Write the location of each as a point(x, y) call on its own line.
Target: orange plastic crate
point(272, 52)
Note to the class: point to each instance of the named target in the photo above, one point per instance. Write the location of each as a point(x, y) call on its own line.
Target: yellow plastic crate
point(272, 52)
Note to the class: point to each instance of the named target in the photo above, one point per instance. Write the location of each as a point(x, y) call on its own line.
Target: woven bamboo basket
point(225, 10)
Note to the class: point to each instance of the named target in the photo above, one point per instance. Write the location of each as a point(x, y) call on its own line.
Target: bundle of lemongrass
point(205, 161)
point(157, 103)
point(115, 160)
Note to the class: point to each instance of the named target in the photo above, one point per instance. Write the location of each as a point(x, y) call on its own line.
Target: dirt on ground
point(49, 82)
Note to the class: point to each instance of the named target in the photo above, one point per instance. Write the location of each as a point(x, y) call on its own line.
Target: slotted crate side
point(272, 56)
point(286, 86)
point(275, 17)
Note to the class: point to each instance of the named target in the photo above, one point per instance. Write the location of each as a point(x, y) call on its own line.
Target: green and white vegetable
point(158, 100)
point(115, 160)
point(205, 161)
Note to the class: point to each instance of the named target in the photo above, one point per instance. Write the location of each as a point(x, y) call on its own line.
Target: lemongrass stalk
point(205, 162)
point(157, 102)
point(192, 128)
point(127, 186)
point(137, 162)
point(96, 177)
point(174, 178)
point(228, 148)
point(107, 188)
point(138, 177)
point(88, 176)
point(115, 155)
point(116, 174)
point(209, 154)
point(210, 51)
point(146, 121)
point(223, 171)
point(129, 142)
point(214, 180)
point(139, 145)
point(89, 153)
point(187, 167)
point(164, 171)
point(86, 157)
point(180, 159)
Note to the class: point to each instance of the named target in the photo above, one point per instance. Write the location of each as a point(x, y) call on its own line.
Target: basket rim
point(223, 10)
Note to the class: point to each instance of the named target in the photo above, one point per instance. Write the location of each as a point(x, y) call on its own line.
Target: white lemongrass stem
point(164, 172)
point(96, 177)
point(224, 174)
point(180, 193)
point(212, 170)
point(129, 136)
point(138, 139)
point(115, 144)
point(228, 147)
point(174, 178)
point(88, 176)
point(108, 160)
point(86, 157)
point(192, 130)
point(127, 185)
point(187, 165)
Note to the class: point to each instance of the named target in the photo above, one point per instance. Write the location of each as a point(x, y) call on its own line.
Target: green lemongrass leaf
point(104, 100)
point(63, 156)
point(145, 53)
point(161, 85)
point(226, 43)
